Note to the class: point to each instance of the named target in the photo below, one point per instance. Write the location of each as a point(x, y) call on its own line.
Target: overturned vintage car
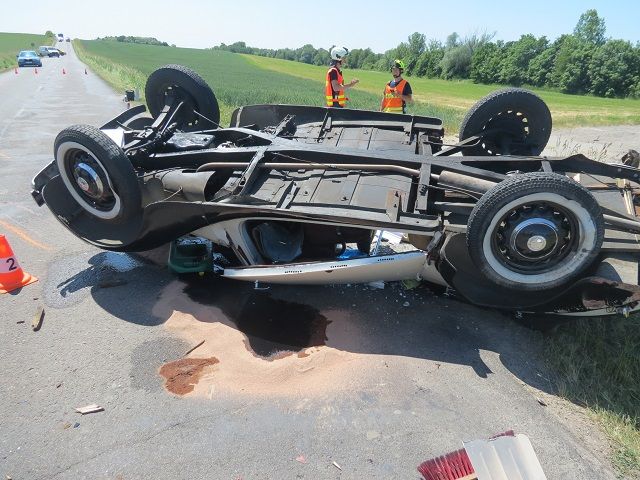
point(285, 190)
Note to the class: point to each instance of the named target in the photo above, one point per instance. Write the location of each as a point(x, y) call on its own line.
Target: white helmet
point(338, 53)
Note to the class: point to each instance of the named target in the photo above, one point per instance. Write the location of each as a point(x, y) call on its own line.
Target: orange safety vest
point(390, 103)
point(330, 96)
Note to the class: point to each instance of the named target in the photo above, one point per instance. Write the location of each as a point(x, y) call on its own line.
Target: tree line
point(582, 62)
point(132, 39)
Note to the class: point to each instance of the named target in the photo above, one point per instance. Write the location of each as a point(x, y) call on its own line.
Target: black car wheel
point(188, 87)
point(97, 173)
point(535, 231)
point(511, 121)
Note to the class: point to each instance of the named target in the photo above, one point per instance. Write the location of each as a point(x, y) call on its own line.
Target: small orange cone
point(63, 72)
point(11, 275)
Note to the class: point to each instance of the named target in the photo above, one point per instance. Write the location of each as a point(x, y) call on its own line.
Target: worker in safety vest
point(334, 86)
point(397, 93)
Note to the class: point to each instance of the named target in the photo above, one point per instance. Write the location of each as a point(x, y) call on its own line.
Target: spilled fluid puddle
point(181, 376)
point(273, 327)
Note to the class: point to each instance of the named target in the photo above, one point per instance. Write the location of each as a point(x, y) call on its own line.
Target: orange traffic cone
point(11, 275)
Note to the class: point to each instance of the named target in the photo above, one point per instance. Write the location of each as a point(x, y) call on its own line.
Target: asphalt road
point(395, 377)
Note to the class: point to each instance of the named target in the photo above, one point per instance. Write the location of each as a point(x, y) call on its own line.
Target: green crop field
point(12, 43)
point(458, 96)
point(246, 79)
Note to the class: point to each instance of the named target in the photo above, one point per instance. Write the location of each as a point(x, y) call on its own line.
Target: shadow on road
point(391, 321)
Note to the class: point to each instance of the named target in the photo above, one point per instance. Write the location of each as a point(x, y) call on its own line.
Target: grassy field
point(454, 98)
point(246, 79)
point(596, 362)
point(12, 43)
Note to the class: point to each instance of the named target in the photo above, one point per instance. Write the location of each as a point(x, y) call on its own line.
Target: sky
point(376, 24)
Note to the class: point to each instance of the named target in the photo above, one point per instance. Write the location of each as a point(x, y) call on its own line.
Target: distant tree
point(541, 66)
point(306, 54)
point(485, 63)
point(321, 57)
point(416, 46)
point(517, 56)
point(571, 66)
point(132, 39)
point(614, 69)
point(453, 40)
point(590, 28)
point(456, 61)
point(428, 65)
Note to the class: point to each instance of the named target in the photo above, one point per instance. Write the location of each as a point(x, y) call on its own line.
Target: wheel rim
point(535, 237)
point(184, 117)
point(513, 246)
point(87, 180)
point(512, 130)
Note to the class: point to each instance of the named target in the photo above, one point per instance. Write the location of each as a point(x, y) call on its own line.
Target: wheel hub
point(88, 180)
point(533, 238)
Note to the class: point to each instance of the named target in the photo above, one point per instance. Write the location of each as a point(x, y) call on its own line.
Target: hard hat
point(398, 64)
point(338, 53)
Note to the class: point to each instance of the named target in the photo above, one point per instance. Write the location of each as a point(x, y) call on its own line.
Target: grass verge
point(12, 43)
point(597, 364)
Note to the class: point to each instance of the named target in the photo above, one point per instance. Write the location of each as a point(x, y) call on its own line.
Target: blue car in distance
point(28, 57)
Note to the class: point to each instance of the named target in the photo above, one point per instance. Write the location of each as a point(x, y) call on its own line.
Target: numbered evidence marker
point(12, 276)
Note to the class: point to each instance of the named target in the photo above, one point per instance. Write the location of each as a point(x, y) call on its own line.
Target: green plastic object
point(190, 255)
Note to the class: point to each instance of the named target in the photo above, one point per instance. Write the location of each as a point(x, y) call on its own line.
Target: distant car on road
point(46, 51)
point(28, 57)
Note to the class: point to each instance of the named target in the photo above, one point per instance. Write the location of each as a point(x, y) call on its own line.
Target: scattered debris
point(66, 425)
point(36, 323)
point(405, 304)
point(193, 348)
point(541, 402)
point(301, 459)
point(410, 284)
point(379, 284)
point(76, 425)
point(59, 385)
point(20, 321)
point(337, 466)
point(93, 408)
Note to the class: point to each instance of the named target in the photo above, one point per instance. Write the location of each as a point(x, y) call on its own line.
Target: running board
point(388, 268)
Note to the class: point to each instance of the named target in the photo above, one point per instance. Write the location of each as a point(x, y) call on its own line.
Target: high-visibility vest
point(330, 95)
point(390, 103)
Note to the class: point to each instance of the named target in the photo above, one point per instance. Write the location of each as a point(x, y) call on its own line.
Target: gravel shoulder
point(599, 143)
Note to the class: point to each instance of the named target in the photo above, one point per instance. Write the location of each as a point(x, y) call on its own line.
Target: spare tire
point(189, 88)
point(535, 231)
point(516, 122)
point(97, 173)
